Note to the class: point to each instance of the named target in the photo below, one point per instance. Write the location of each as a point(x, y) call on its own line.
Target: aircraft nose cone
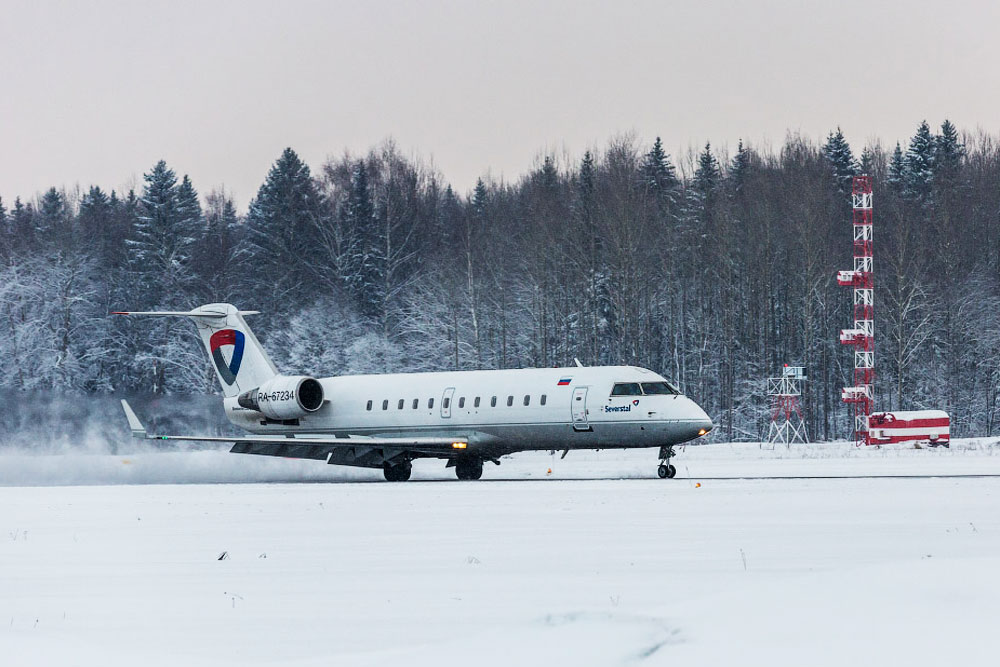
point(701, 419)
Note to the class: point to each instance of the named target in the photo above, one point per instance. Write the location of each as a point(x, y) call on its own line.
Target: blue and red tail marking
point(220, 339)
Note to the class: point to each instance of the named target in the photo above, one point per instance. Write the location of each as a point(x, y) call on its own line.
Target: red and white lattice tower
point(787, 423)
point(862, 337)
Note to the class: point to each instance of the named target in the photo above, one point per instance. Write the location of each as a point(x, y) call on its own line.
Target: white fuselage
point(499, 412)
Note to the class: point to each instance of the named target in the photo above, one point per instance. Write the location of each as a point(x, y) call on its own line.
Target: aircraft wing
point(352, 450)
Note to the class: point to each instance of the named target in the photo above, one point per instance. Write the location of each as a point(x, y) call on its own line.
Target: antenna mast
point(861, 396)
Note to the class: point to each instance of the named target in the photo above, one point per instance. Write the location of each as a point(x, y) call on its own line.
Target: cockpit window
point(653, 388)
point(626, 389)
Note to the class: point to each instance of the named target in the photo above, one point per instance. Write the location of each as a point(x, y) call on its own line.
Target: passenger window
point(369, 408)
point(626, 389)
point(527, 399)
point(385, 404)
point(461, 402)
point(430, 403)
point(493, 402)
point(416, 403)
point(400, 404)
point(447, 403)
point(510, 401)
point(543, 399)
point(475, 403)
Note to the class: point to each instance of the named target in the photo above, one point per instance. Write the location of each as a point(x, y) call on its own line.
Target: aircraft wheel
point(469, 469)
point(397, 473)
point(666, 471)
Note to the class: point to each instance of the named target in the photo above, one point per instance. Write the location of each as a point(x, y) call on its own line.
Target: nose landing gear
point(666, 470)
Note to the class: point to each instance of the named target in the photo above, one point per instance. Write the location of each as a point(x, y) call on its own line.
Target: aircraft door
point(579, 409)
point(446, 399)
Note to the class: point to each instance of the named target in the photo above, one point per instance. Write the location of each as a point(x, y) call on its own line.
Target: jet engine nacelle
point(284, 397)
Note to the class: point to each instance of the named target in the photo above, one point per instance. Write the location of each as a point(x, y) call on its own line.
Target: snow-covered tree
point(948, 154)
point(330, 337)
point(706, 176)
point(53, 336)
point(5, 233)
point(480, 198)
point(866, 165)
point(897, 169)
point(215, 259)
point(838, 155)
point(658, 172)
point(365, 266)
point(188, 206)
point(53, 222)
point(163, 238)
point(281, 245)
point(95, 211)
point(918, 166)
point(739, 167)
point(161, 276)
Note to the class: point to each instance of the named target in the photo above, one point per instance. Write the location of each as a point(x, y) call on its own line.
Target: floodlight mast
point(862, 337)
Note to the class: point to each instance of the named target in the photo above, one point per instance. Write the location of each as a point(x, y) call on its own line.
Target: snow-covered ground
point(815, 555)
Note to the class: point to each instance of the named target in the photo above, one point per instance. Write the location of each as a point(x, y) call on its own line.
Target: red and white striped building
point(915, 426)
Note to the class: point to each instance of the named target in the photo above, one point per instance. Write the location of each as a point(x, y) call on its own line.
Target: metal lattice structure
point(860, 396)
point(787, 423)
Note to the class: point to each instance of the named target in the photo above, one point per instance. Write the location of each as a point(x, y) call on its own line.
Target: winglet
point(138, 430)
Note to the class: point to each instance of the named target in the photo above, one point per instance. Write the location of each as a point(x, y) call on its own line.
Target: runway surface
point(848, 558)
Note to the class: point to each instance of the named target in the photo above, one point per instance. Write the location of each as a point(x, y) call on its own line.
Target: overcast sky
point(97, 92)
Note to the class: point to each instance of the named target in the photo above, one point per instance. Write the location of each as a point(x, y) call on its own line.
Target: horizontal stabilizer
point(138, 430)
point(237, 357)
point(210, 314)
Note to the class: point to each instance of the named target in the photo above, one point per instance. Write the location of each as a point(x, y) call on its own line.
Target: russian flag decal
point(564, 382)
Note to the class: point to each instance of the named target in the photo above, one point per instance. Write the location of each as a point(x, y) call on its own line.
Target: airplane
point(463, 417)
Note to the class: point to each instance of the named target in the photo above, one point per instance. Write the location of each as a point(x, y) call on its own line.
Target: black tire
point(397, 473)
point(469, 469)
point(666, 471)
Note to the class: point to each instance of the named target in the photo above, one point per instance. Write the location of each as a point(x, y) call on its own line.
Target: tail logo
point(221, 339)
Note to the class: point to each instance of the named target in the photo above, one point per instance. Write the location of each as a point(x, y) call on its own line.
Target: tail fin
point(240, 362)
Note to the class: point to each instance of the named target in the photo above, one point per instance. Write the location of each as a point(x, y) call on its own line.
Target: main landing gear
point(400, 472)
point(469, 468)
point(666, 471)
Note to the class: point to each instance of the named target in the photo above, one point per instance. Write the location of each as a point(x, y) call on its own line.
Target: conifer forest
point(713, 268)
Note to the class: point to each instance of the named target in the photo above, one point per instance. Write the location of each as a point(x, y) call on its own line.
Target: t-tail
point(240, 362)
